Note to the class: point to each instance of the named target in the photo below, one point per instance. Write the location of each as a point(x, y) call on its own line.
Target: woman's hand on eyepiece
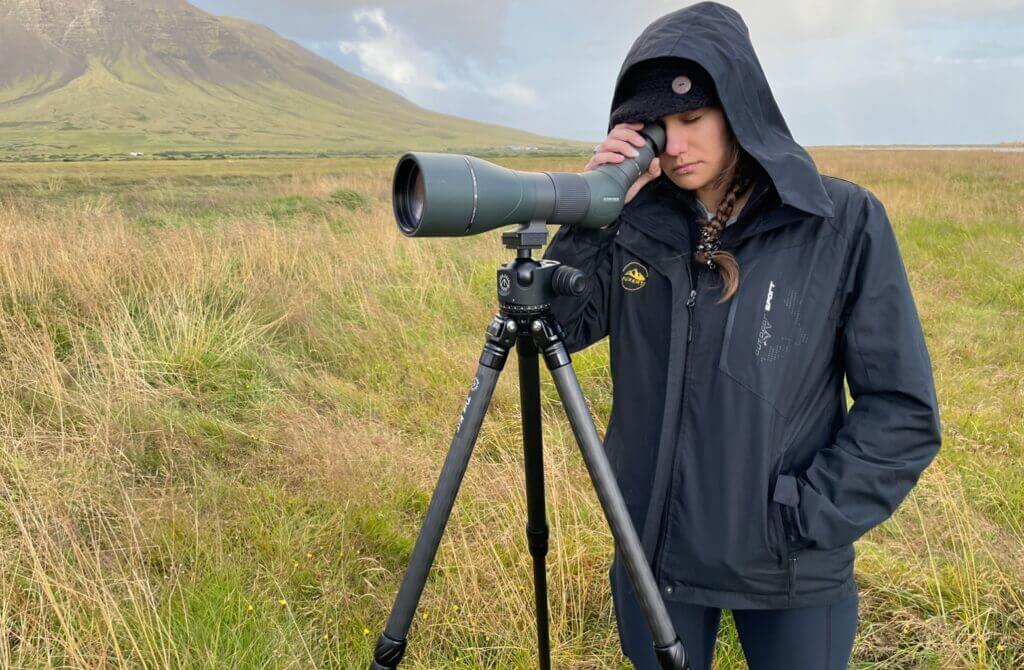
point(622, 142)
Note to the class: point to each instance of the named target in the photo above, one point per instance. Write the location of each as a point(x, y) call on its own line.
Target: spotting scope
point(451, 195)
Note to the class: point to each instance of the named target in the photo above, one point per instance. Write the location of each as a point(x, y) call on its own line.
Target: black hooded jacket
point(743, 470)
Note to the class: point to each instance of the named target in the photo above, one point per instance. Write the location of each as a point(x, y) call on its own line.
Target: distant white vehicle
point(136, 154)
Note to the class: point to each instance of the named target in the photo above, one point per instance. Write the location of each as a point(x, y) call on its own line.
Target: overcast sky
point(861, 72)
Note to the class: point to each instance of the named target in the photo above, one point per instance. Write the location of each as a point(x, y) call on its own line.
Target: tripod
point(525, 288)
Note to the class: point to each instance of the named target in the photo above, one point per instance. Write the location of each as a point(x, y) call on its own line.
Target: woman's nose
point(675, 143)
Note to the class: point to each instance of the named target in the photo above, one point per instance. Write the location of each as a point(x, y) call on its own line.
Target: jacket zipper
point(659, 551)
point(786, 538)
point(690, 302)
point(792, 577)
point(786, 556)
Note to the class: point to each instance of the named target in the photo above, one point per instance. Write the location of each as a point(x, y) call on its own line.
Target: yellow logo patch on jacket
point(634, 276)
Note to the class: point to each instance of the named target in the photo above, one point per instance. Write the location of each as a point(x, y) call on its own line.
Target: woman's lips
point(686, 167)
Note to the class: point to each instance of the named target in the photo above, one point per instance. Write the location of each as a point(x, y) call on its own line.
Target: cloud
point(516, 93)
point(393, 55)
point(385, 52)
point(843, 72)
point(452, 27)
point(986, 52)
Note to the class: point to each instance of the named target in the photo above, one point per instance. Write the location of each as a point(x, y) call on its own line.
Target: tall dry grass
point(229, 386)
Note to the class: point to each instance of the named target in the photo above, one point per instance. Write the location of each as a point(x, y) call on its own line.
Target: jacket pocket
point(786, 555)
point(773, 320)
point(775, 529)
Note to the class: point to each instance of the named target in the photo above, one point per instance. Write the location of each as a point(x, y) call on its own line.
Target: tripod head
point(525, 284)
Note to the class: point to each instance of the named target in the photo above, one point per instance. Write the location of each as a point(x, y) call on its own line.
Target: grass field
point(228, 388)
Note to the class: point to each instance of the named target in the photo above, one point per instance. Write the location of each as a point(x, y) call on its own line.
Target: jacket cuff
point(787, 494)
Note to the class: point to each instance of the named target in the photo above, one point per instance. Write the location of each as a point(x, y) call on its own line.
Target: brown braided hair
point(707, 252)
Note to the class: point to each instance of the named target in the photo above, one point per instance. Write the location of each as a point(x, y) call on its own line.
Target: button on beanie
point(657, 87)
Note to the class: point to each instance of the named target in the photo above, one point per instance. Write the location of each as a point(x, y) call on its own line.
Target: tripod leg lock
point(548, 336)
point(501, 336)
point(388, 654)
point(672, 656)
point(537, 539)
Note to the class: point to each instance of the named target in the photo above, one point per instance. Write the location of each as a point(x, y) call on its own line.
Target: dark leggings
point(801, 638)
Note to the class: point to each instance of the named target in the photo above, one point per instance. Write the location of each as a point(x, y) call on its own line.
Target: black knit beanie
point(657, 87)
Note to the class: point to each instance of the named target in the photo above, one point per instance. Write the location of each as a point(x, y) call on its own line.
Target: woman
point(737, 288)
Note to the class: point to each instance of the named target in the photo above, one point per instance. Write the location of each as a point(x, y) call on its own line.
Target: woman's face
point(696, 147)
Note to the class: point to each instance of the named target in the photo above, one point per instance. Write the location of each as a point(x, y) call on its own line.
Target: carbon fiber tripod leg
point(667, 646)
point(392, 642)
point(533, 460)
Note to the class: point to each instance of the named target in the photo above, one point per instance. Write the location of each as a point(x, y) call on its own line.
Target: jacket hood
point(715, 36)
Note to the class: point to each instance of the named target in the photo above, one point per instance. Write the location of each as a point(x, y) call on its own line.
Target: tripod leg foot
point(388, 653)
point(673, 656)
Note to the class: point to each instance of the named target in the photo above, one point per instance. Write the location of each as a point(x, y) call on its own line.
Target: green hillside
point(110, 77)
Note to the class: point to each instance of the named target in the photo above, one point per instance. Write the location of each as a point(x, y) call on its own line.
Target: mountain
point(80, 77)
